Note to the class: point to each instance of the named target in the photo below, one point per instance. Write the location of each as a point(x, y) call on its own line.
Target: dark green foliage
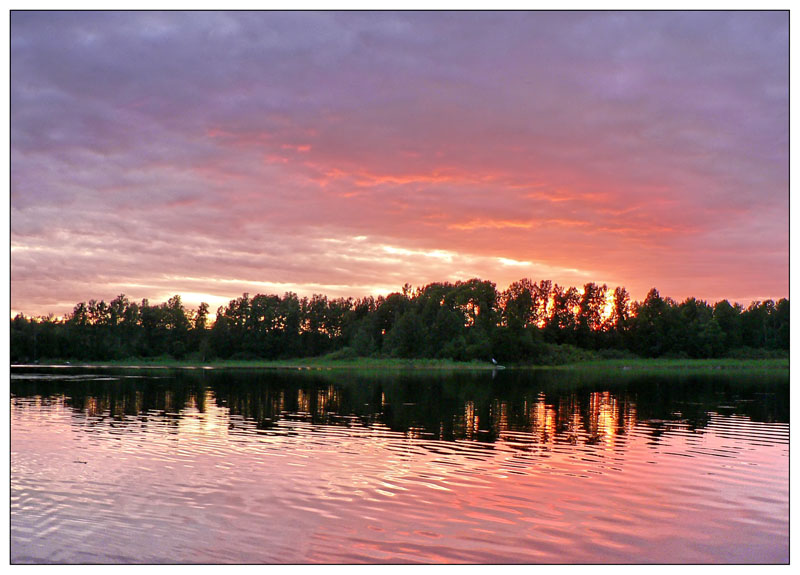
point(528, 323)
point(781, 324)
point(407, 337)
point(590, 315)
point(363, 341)
point(729, 319)
point(651, 333)
point(511, 345)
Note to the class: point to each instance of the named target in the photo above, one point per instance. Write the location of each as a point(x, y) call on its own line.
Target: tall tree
point(562, 320)
point(590, 314)
point(729, 319)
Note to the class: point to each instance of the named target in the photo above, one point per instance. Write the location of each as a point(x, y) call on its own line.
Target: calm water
point(162, 466)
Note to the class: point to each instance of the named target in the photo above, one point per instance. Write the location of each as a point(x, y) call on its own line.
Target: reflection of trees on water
point(523, 409)
point(594, 417)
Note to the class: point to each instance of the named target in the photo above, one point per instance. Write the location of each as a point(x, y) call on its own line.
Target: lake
point(331, 466)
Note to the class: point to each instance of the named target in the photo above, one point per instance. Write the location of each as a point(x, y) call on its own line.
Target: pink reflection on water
point(572, 487)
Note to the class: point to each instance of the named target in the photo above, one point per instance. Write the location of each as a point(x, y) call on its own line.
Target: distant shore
point(368, 363)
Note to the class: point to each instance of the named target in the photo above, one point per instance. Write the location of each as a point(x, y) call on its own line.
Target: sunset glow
point(210, 154)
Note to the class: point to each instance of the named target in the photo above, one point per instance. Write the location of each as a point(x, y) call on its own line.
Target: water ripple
point(189, 485)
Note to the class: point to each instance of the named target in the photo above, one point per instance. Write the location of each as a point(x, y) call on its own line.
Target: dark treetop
point(529, 323)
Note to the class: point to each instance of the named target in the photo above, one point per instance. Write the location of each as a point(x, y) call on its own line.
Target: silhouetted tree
point(561, 323)
point(465, 320)
point(590, 315)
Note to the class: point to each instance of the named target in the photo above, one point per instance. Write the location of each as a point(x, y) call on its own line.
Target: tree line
point(529, 322)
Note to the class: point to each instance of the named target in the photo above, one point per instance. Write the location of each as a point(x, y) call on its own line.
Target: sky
point(209, 154)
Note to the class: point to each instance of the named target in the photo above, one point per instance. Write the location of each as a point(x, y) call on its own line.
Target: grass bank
point(374, 364)
point(681, 365)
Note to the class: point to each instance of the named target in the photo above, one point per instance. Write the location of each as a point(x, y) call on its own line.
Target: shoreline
point(638, 364)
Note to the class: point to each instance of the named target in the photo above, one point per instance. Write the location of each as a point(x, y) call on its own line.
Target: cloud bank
point(214, 153)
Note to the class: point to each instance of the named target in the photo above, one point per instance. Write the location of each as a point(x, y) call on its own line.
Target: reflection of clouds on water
point(254, 468)
point(530, 426)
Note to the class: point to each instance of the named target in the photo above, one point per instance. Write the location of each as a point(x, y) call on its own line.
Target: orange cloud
point(475, 224)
